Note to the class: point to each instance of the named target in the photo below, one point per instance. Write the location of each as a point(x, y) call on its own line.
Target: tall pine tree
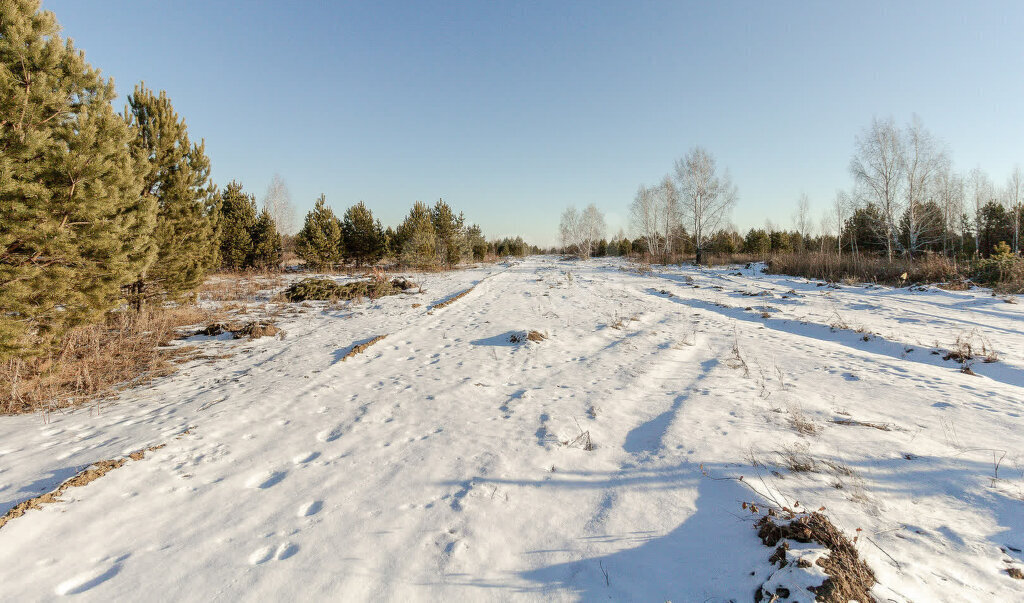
point(449, 229)
point(320, 241)
point(178, 179)
point(416, 239)
point(237, 220)
point(364, 238)
point(73, 227)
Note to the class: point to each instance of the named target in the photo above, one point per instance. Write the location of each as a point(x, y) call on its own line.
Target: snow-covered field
point(440, 464)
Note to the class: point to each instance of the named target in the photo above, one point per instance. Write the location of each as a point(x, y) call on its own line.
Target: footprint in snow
point(310, 508)
point(305, 457)
point(87, 580)
point(329, 435)
point(261, 555)
point(266, 553)
point(265, 479)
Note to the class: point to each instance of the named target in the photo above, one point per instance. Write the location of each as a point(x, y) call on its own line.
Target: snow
point(433, 466)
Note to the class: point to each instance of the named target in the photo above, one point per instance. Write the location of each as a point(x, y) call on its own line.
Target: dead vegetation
point(800, 422)
point(582, 441)
point(855, 423)
point(82, 478)
point(970, 346)
point(736, 361)
point(239, 287)
point(849, 577)
point(796, 459)
point(325, 289)
point(362, 347)
point(865, 268)
point(252, 330)
point(520, 337)
point(99, 360)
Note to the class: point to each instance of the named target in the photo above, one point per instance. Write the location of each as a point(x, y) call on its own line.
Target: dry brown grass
point(865, 268)
point(239, 287)
point(728, 259)
point(849, 577)
point(98, 360)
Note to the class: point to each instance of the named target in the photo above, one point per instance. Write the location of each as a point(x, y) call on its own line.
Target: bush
point(324, 289)
point(1004, 273)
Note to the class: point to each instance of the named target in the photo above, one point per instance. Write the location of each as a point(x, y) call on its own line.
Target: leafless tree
point(1014, 195)
point(878, 169)
point(645, 217)
point(949, 190)
point(582, 230)
point(570, 228)
point(594, 227)
point(668, 208)
point(705, 197)
point(923, 160)
point(842, 206)
point(802, 218)
point(825, 226)
point(981, 193)
point(278, 202)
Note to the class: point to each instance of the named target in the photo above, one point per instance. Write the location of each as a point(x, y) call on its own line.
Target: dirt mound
point(849, 578)
point(325, 289)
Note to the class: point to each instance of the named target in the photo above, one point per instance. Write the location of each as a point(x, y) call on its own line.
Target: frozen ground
point(433, 466)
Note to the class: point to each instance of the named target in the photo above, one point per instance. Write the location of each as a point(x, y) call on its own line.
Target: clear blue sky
point(512, 111)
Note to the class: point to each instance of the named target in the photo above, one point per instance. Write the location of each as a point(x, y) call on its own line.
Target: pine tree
point(391, 249)
point(449, 231)
point(73, 228)
point(179, 179)
point(320, 241)
point(416, 237)
point(476, 242)
point(266, 243)
point(364, 238)
point(237, 220)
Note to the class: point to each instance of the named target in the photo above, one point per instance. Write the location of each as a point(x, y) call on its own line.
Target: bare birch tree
point(582, 230)
point(705, 197)
point(923, 161)
point(645, 216)
point(278, 203)
point(1013, 195)
point(668, 210)
point(878, 168)
point(593, 228)
point(570, 228)
point(981, 192)
point(842, 206)
point(949, 187)
point(802, 218)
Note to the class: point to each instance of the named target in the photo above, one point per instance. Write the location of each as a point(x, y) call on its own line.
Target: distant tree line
point(906, 200)
point(428, 237)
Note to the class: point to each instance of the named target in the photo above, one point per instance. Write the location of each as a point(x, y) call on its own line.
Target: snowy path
point(432, 466)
